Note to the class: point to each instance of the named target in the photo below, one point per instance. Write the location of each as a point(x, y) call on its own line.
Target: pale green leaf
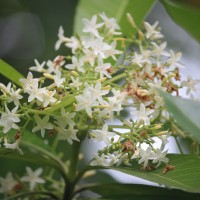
point(184, 15)
point(185, 176)
point(9, 72)
point(186, 112)
point(115, 8)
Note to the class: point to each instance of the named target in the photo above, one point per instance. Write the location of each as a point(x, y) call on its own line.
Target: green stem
point(69, 187)
point(115, 78)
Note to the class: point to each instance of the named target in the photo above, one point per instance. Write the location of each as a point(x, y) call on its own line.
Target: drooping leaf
point(185, 176)
point(144, 192)
point(186, 112)
point(115, 8)
point(9, 72)
point(184, 15)
point(36, 155)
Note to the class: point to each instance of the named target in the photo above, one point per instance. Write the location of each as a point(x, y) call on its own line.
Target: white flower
point(190, 84)
point(61, 38)
point(98, 46)
point(113, 51)
point(143, 114)
point(103, 68)
point(36, 93)
point(97, 91)
point(58, 80)
point(48, 98)
point(174, 59)
point(85, 102)
point(145, 156)
point(13, 96)
point(111, 24)
point(7, 184)
point(9, 118)
point(75, 83)
point(76, 64)
point(152, 33)
point(136, 154)
point(29, 82)
point(91, 26)
point(68, 134)
point(73, 43)
point(160, 157)
point(5, 89)
point(118, 159)
point(33, 177)
point(55, 65)
point(138, 59)
point(89, 56)
point(66, 118)
point(99, 161)
point(160, 50)
point(103, 135)
point(42, 124)
point(39, 67)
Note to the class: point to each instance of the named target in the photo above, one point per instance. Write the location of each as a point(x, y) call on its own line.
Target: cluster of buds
point(106, 75)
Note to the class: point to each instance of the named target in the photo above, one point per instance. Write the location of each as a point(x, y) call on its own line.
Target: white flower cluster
point(92, 86)
point(11, 185)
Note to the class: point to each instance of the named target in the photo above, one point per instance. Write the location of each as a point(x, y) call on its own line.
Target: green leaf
point(115, 8)
point(9, 72)
point(184, 15)
point(186, 112)
point(133, 191)
point(185, 176)
point(66, 101)
point(36, 155)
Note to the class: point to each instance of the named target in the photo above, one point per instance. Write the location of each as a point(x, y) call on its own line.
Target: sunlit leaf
point(115, 8)
point(185, 176)
point(186, 112)
point(134, 191)
point(184, 15)
point(9, 72)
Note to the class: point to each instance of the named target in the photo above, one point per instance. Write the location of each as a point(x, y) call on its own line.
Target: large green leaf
point(185, 176)
point(186, 112)
point(115, 8)
point(184, 15)
point(9, 72)
point(145, 192)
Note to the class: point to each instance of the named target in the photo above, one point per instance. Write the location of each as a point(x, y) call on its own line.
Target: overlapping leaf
point(185, 176)
point(186, 112)
point(184, 15)
point(115, 8)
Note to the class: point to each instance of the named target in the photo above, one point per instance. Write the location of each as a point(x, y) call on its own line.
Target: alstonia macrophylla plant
point(107, 78)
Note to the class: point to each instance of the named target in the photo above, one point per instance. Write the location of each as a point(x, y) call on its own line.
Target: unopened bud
point(48, 75)
point(131, 20)
point(74, 73)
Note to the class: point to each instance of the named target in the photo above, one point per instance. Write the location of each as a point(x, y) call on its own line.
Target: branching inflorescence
point(106, 76)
